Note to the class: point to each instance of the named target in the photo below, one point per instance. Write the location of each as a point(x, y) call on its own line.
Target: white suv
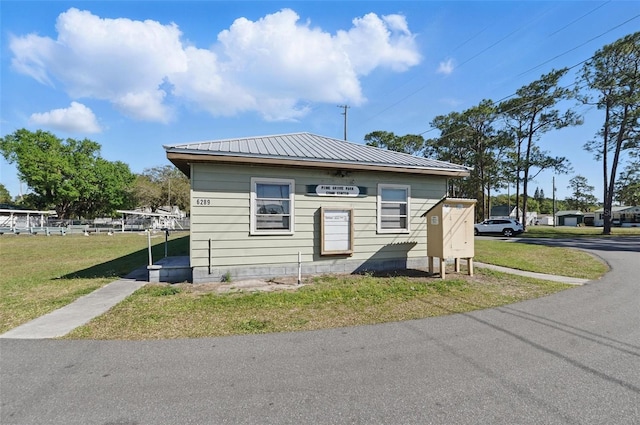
point(505, 226)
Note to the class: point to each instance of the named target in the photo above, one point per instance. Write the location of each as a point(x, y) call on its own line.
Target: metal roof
point(306, 149)
point(619, 208)
point(569, 212)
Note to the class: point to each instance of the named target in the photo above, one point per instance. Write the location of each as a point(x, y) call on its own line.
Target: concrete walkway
point(553, 278)
point(62, 321)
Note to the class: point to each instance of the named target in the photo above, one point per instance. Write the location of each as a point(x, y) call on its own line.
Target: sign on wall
point(337, 190)
point(337, 231)
point(340, 190)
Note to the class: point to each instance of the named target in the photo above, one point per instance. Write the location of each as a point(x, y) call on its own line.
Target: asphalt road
point(570, 358)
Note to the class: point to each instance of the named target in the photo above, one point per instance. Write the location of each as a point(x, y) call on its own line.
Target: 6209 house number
point(203, 201)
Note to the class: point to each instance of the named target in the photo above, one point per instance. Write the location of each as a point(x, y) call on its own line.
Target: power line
point(578, 46)
point(514, 108)
point(419, 89)
point(580, 18)
point(504, 38)
point(571, 67)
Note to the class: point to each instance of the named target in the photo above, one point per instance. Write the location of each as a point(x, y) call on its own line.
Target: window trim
point(382, 186)
point(253, 230)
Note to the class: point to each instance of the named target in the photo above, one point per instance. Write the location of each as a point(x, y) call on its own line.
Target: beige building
point(623, 216)
point(301, 203)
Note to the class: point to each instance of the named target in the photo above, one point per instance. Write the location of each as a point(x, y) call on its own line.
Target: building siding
point(220, 234)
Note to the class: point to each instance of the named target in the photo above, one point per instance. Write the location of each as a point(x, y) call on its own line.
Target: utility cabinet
point(450, 233)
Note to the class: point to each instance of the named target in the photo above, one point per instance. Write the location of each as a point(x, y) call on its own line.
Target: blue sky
point(135, 75)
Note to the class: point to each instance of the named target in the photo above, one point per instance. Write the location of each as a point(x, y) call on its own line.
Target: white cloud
point(32, 55)
point(77, 118)
point(446, 67)
point(205, 85)
point(144, 105)
point(275, 66)
point(374, 42)
point(118, 60)
point(280, 63)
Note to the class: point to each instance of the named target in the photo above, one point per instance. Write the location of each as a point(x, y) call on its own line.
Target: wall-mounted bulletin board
point(337, 231)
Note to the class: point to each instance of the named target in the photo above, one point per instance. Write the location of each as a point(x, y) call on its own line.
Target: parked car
point(507, 227)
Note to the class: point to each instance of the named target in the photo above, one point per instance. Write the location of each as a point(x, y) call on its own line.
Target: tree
point(179, 190)
point(410, 143)
point(539, 194)
point(68, 175)
point(612, 76)
point(109, 190)
point(473, 132)
point(628, 185)
point(5, 196)
point(529, 115)
point(147, 193)
point(533, 205)
point(582, 197)
point(546, 206)
point(162, 186)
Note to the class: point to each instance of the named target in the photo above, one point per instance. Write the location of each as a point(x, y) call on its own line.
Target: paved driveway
point(570, 358)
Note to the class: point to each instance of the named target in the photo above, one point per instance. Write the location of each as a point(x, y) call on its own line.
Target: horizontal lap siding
point(226, 220)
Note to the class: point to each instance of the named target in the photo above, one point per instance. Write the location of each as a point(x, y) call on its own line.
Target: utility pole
point(554, 200)
point(509, 198)
point(345, 107)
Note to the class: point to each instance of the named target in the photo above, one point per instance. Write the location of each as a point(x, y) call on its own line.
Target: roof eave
point(183, 161)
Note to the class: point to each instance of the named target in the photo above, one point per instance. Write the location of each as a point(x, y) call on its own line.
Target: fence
point(22, 224)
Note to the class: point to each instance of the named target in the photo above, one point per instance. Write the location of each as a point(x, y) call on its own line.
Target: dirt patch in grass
point(202, 310)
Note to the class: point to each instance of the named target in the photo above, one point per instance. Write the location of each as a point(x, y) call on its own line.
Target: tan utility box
point(450, 232)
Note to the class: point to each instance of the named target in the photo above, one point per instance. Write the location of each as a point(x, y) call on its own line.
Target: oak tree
point(67, 175)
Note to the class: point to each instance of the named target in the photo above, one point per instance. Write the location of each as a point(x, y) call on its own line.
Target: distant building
point(504, 211)
point(13, 220)
point(569, 218)
point(544, 220)
point(589, 218)
point(622, 216)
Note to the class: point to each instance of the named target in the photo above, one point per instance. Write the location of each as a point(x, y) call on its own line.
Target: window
point(393, 208)
point(272, 206)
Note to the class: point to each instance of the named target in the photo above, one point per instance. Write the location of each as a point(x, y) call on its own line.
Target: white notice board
point(337, 231)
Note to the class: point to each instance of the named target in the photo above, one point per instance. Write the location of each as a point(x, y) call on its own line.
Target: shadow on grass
point(133, 265)
point(415, 273)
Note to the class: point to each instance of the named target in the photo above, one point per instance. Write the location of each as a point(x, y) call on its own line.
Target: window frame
point(381, 187)
point(325, 234)
point(255, 181)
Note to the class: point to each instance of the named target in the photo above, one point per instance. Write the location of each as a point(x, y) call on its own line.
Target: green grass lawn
point(541, 259)
point(189, 311)
point(40, 274)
